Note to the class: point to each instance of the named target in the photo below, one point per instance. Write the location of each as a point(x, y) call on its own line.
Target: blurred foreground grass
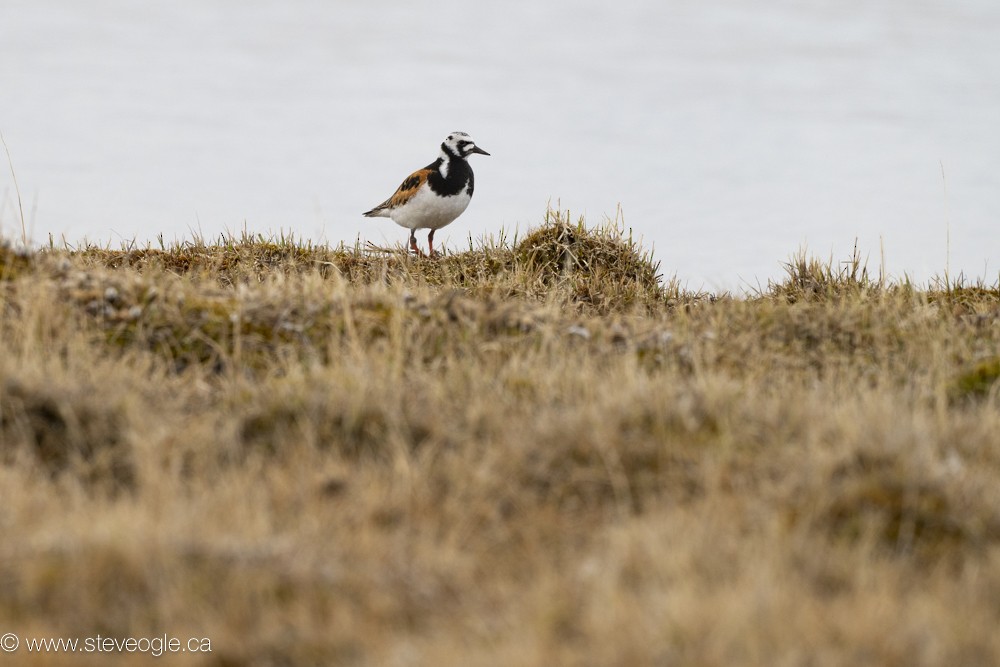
point(534, 452)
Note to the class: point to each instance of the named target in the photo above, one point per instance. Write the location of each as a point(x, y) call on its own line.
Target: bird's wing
point(405, 192)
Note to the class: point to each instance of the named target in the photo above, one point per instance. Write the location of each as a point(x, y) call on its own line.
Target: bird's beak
point(477, 149)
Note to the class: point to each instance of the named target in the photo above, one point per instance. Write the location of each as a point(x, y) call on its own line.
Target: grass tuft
point(66, 432)
point(810, 278)
point(977, 382)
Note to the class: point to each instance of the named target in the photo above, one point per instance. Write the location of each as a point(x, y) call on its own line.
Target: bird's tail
point(380, 211)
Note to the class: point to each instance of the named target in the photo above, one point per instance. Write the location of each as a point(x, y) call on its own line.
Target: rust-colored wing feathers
point(409, 187)
point(404, 193)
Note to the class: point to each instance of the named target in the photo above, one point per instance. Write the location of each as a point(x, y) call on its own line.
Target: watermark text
point(154, 646)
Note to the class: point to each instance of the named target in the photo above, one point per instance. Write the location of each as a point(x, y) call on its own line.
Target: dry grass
point(532, 452)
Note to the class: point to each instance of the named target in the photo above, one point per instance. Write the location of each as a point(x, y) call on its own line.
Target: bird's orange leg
point(413, 243)
point(430, 244)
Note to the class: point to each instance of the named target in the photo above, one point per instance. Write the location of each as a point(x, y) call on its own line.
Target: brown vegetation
point(532, 452)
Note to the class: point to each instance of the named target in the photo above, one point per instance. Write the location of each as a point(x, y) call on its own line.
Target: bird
point(434, 196)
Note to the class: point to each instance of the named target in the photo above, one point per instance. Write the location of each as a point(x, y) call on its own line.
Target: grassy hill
point(534, 451)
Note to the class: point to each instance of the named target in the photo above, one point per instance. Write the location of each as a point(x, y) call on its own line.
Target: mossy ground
point(532, 451)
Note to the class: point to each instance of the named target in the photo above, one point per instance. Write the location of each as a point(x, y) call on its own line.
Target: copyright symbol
point(9, 642)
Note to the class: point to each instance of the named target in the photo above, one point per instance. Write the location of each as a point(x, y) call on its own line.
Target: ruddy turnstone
point(434, 196)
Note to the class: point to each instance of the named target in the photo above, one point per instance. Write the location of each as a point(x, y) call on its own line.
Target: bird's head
point(460, 144)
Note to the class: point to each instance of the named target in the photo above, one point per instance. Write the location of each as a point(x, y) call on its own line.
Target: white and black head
point(459, 144)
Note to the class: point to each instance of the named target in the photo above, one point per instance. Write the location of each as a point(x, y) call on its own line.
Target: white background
point(732, 133)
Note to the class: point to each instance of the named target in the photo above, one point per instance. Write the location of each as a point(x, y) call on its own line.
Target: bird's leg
point(430, 244)
point(413, 243)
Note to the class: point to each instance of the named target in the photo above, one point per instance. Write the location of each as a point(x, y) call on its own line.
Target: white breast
point(429, 211)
